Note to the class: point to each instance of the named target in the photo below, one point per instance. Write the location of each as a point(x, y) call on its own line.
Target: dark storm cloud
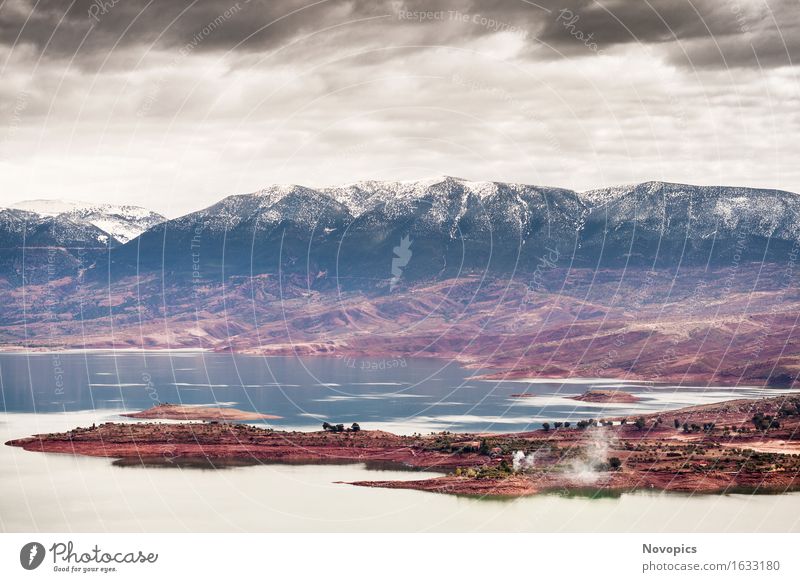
point(249, 25)
point(698, 33)
point(61, 28)
point(692, 33)
point(103, 24)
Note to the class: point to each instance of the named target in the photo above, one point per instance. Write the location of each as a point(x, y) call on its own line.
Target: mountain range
point(346, 235)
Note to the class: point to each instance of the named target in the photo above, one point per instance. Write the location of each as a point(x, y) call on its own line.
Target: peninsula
point(735, 445)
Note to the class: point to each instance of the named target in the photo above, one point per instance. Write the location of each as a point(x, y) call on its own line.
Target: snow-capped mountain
point(352, 229)
point(348, 233)
point(43, 240)
point(440, 202)
point(26, 229)
point(666, 223)
point(708, 210)
point(118, 223)
point(36, 248)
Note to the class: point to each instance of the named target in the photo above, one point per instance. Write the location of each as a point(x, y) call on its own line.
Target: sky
point(174, 105)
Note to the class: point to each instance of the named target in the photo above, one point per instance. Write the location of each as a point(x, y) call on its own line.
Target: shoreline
point(710, 448)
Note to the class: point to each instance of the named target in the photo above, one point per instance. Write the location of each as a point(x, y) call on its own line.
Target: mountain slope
point(119, 223)
point(36, 248)
point(442, 227)
point(452, 226)
point(50, 239)
point(664, 223)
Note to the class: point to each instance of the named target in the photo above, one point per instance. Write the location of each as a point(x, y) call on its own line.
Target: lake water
point(55, 392)
point(414, 395)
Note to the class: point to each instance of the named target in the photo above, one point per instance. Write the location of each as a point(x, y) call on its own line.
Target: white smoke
point(585, 468)
point(522, 462)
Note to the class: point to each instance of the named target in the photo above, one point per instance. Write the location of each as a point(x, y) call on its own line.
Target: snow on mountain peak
point(119, 222)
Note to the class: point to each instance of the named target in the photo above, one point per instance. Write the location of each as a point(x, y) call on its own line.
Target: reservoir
point(51, 392)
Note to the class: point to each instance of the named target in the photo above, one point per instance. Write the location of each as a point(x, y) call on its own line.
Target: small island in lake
point(602, 396)
point(190, 412)
point(748, 444)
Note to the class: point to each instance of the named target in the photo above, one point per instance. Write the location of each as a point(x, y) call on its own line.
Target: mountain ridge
point(119, 222)
point(347, 233)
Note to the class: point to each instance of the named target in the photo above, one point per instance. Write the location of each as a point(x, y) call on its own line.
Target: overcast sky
point(174, 104)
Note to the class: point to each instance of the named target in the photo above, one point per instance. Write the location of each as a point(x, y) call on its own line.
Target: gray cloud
point(60, 29)
point(175, 116)
point(698, 33)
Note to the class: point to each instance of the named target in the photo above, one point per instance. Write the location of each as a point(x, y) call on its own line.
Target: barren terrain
point(736, 445)
point(186, 412)
point(691, 327)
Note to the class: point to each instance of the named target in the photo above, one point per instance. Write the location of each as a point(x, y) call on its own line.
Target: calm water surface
point(399, 395)
point(56, 392)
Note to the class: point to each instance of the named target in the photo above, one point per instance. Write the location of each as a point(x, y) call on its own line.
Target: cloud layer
point(174, 104)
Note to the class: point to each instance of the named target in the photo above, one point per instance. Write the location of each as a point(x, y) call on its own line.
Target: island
point(738, 445)
point(603, 396)
point(168, 411)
